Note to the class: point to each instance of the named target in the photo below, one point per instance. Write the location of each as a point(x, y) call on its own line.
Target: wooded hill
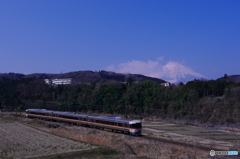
point(85, 76)
point(232, 78)
point(214, 102)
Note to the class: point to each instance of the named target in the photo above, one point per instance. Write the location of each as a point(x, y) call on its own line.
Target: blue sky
point(168, 39)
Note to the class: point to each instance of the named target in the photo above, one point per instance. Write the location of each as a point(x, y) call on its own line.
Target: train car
point(114, 123)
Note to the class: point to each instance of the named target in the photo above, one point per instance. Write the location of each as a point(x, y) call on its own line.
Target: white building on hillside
point(48, 81)
point(61, 81)
point(166, 84)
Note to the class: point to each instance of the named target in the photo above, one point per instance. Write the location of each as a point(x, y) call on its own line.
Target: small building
point(48, 81)
point(167, 84)
point(61, 81)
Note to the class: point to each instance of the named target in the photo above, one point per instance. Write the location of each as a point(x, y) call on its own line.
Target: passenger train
point(117, 124)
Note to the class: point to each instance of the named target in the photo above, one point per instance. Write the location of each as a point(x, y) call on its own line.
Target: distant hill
point(12, 75)
point(231, 78)
point(85, 76)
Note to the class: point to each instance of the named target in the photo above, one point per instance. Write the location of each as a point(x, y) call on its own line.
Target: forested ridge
point(215, 101)
point(85, 76)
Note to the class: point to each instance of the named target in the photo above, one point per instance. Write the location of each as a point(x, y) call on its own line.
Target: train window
point(112, 123)
point(119, 124)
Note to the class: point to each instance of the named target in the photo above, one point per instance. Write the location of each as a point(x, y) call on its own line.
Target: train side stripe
point(81, 121)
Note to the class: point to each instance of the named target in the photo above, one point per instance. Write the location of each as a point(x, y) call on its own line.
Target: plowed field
point(21, 141)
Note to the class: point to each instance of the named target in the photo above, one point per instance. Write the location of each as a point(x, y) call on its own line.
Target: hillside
point(85, 76)
point(231, 78)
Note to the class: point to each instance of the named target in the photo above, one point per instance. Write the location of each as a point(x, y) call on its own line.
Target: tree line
point(215, 102)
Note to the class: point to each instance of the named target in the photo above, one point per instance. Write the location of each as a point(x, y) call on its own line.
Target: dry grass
point(129, 145)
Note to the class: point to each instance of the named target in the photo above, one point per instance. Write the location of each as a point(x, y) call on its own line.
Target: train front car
point(136, 127)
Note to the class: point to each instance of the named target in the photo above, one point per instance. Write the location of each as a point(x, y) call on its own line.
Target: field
point(131, 147)
point(226, 140)
point(21, 141)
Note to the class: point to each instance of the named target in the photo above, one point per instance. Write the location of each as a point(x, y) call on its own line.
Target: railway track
point(203, 148)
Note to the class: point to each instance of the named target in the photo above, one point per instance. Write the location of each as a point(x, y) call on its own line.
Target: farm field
point(21, 141)
point(191, 134)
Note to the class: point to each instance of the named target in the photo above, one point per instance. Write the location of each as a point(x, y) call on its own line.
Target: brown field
point(132, 147)
point(21, 141)
point(226, 140)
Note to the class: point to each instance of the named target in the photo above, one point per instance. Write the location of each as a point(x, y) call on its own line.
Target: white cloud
point(171, 71)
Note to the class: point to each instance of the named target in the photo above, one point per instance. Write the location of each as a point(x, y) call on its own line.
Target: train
point(113, 123)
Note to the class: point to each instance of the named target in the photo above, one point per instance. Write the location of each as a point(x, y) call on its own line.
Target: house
point(48, 81)
point(61, 81)
point(167, 84)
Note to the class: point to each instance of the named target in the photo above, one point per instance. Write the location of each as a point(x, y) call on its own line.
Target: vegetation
point(215, 102)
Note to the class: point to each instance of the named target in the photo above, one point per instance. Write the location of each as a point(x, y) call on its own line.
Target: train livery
point(126, 126)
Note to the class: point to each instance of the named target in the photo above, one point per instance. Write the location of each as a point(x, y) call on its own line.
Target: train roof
point(115, 118)
point(104, 118)
point(40, 110)
point(70, 114)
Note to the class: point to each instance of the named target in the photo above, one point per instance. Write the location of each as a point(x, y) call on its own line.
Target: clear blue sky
point(168, 39)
